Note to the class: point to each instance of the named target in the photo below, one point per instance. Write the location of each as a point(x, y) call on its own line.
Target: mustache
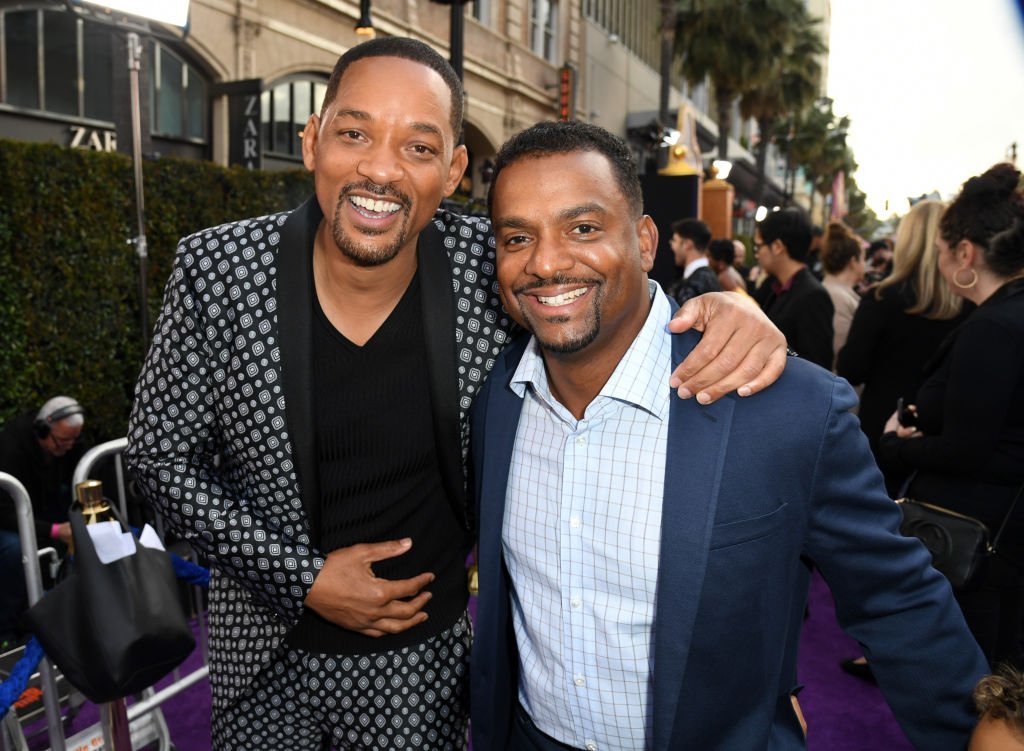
point(382, 191)
point(557, 279)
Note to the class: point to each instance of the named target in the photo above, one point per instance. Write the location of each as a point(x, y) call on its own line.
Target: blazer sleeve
point(888, 597)
point(856, 357)
point(175, 445)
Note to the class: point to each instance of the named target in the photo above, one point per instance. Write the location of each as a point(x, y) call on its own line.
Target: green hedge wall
point(69, 311)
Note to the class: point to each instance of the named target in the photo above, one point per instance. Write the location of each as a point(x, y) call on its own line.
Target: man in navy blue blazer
point(644, 561)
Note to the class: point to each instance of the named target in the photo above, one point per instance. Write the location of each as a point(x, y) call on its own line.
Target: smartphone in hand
point(906, 414)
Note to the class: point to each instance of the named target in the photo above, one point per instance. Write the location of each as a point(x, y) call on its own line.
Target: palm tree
point(791, 86)
point(730, 43)
point(819, 146)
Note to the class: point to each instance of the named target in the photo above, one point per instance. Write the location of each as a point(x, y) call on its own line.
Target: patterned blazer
point(221, 435)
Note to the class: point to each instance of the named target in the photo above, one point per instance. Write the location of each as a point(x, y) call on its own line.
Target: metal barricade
point(143, 721)
point(34, 589)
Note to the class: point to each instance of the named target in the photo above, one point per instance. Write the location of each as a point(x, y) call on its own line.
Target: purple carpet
point(843, 713)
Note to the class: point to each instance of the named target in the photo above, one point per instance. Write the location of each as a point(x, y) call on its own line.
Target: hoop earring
point(974, 279)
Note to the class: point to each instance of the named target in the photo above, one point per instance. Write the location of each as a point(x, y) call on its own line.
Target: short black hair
point(407, 49)
point(792, 228)
point(694, 230)
point(722, 250)
point(566, 137)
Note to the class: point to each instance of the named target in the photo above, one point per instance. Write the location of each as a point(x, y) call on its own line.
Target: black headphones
point(41, 425)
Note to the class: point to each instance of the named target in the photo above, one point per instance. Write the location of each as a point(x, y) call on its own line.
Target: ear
point(967, 253)
point(460, 160)
point(647, 234)
point(310, 138)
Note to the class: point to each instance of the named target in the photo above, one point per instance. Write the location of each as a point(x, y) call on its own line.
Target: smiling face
point(572, 258)
point(383, 157)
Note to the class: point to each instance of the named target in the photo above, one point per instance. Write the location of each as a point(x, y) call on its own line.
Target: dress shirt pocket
point(746, 530)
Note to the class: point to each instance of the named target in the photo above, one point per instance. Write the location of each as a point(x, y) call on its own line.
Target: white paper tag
point(112, 544)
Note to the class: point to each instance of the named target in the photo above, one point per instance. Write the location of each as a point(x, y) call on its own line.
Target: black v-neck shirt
point(379, 471)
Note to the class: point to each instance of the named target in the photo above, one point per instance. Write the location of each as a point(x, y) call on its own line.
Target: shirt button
point(591, 746)
point(581, 441)
point(575, 602)
point(575, 522)
point(578, 680)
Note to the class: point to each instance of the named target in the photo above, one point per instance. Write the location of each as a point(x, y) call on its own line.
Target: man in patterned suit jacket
point(301, 420)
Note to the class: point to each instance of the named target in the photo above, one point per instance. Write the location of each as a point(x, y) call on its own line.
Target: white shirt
point(694, 265)
point(581, 537)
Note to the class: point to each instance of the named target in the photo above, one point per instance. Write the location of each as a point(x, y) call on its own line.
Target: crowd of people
point(932, 322)
point(644, 557)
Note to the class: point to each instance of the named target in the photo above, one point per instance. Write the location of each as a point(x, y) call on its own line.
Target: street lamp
point(172, 13)
point(456, 26)
point(364, 26)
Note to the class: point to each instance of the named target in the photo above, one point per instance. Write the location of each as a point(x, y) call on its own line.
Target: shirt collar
point(694, 265)
point(640, 378)
point(778, 288)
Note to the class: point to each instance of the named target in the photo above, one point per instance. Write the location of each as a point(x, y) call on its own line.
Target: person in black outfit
point(898, 325)
point(796, 302)
point(689, 243)
point(967, 441)
point(41, 450)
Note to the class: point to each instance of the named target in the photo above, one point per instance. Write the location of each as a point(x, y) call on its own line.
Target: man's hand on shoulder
point(347, 593)
point(741, 349)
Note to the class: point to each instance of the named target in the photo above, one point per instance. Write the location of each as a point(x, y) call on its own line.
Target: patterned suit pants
point(410, 698)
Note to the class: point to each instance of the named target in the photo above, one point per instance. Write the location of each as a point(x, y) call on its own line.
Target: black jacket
point(702, 280)
point(804, 314)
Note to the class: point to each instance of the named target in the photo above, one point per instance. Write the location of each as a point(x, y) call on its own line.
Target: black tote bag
point(113, 629)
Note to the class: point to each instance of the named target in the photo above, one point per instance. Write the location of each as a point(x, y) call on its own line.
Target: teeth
point(563, 299)
point(378, 206)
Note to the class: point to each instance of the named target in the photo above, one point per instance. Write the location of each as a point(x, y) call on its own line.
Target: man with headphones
point(41, 450)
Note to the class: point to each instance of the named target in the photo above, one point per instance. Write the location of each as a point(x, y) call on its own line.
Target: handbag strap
point(1006, 518)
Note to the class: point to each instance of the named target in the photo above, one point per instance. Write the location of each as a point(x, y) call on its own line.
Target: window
point(284, 110)
point(55, 62)
point(178, 96)
point(544, 28)
point(482, 11)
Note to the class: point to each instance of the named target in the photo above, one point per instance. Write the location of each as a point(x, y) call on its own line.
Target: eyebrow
point(428, 128)
point(517, 222)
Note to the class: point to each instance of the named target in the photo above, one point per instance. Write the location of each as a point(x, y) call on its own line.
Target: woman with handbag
point(966, 437)
point(899, 324)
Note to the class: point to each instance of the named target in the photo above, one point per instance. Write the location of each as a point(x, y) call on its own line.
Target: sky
point(934, 90)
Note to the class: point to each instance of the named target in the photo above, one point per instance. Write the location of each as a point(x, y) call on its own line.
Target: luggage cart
point(121, 728)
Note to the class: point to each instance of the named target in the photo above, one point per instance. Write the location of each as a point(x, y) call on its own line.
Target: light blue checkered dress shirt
point(581, 537)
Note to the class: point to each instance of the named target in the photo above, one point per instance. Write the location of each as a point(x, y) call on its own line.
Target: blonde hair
point(916, 259)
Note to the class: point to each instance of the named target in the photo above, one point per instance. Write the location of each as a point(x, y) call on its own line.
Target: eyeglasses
point(63, 440)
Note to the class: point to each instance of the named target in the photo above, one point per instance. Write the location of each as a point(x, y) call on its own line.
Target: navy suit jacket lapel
point(694, 460)
point(295, 326)
point(495, 674)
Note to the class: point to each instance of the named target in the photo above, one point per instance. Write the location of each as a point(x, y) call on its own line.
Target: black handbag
point(959, 544)
point(113, 629)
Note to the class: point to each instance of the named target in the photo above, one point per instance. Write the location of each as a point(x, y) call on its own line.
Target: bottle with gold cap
point(92, 504)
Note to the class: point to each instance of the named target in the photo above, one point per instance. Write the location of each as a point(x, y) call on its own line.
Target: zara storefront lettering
point(93, 139)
